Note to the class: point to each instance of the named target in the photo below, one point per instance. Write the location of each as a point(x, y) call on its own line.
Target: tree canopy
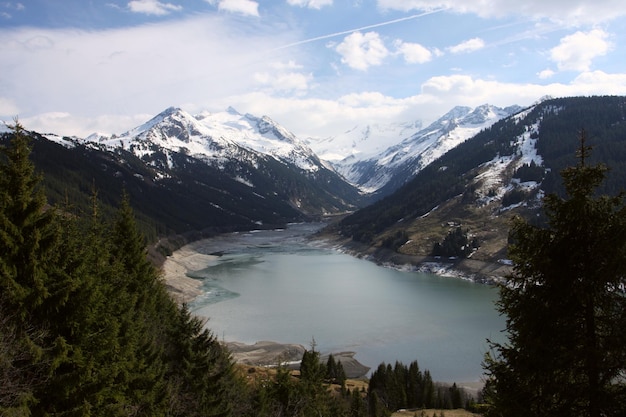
point(565, 305)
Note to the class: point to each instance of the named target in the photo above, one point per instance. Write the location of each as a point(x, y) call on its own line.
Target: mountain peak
point(233, 111)
point(170, 111)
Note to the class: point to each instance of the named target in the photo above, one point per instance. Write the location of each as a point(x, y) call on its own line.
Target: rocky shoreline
point(175, 269)
point(475, 270)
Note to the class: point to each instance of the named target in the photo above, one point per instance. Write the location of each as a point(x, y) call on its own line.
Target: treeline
point(457, 243)
point(390, 389)
point(406, 387)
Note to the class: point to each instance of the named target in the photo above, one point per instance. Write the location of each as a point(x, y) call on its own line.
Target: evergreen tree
point(29, 234)
point(200, 371)
point(34, 284)
point(143, 310)
point(311, 370)
point(358, 406)
point(566, 307)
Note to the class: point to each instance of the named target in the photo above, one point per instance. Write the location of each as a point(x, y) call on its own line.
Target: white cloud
point(65, 123)
point(153, 7)
point(469, 45)
point(120, 71)
point(284, 79)
point(312, 4)
point(8, 107)
point(601, 82)
point(361, 51)
point(326, 117)
point(577, 51)
point(545, 74)
point(245, 7)
point(470, 91)
point(569, 12)
point(413, 53)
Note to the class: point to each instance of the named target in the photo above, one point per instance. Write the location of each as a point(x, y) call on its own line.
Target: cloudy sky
point(318, 67)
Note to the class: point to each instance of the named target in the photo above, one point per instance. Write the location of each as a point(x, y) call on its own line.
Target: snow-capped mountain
point(362, 142)
point(215, 138)
point(393, 166)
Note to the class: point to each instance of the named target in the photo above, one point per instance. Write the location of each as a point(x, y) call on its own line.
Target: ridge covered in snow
point(369, 157)
point(213, 136)
point(416, 151)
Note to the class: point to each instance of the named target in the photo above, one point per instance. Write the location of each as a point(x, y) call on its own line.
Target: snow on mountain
point(362, 142)
point(215, 137)
point(369, 157)
point(405, 159)
point(492, 183)
point(262, 135)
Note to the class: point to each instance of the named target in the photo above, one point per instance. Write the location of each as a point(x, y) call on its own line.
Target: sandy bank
point(175, 268)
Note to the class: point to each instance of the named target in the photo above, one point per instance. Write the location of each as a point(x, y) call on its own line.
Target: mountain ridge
point(478, 186)
point(389, 169)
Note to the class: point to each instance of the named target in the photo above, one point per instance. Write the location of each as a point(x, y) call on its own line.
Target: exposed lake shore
point(475, 270)
point(175, 269)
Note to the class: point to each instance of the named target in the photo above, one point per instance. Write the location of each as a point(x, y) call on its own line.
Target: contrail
point(345, 32)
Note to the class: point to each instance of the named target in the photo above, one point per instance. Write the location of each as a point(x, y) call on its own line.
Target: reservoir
point(279, 286)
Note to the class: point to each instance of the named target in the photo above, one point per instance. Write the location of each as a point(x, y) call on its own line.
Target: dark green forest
point(87, 327)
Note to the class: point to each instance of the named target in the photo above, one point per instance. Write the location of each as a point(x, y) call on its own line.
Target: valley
point(192, 177)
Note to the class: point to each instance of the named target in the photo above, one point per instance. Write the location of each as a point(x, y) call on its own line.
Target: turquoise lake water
point(275, 285)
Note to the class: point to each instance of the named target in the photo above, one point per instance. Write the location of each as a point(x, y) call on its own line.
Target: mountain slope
point(388, 170)
point(501, 171)
point(219, 172)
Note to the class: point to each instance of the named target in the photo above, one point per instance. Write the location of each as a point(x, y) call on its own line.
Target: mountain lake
point(279, 286)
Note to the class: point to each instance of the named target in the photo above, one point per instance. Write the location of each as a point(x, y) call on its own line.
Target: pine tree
point(311, 370)
point(143, 310)
point(200, 370)
point(565, 306)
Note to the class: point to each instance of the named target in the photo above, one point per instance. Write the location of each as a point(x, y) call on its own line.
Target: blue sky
point(319, 67)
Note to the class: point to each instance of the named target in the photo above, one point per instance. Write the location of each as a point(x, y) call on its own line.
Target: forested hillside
point(483, 182)
point(87, 326)
point(178, 194)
